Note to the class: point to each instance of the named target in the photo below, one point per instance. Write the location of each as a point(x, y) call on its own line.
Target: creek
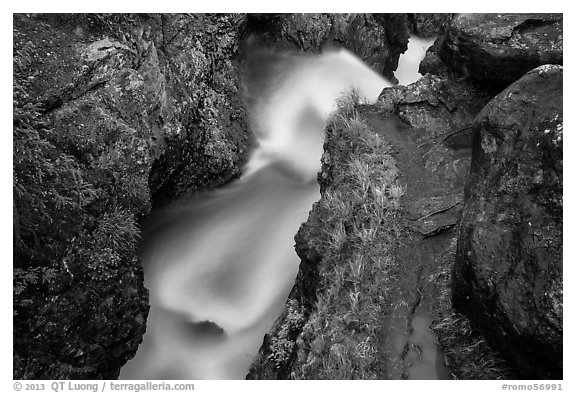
point(219, 267)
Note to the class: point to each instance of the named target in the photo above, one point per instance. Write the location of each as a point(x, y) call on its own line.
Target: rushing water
point(409, 62)
point(218, 275)
point(219, 267)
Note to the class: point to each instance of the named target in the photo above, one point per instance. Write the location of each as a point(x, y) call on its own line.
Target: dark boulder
point(508, 273)
point(500, 48)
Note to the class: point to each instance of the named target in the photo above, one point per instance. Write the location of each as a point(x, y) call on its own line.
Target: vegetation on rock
point(351, 228)
point(115, 112)
point(110, 111)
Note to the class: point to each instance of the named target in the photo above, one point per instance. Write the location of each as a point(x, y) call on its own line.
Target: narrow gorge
point(271, 196)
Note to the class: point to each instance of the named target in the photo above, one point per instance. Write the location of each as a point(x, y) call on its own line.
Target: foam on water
point(288, 120)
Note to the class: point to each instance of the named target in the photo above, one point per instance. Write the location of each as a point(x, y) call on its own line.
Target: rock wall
point(112, 112)
point(378, 39)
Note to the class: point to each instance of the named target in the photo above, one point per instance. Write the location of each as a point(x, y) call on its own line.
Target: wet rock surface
point(414, 120)
point(439, 104)
point(446, 132)
point(209, 142)
point(135, 72)
point(145, 108)
point(497, 49)
point(438, 213)
point(149, 108)
point(508, 271)
point(437, 111)
point(378, 39)
point(429, 25)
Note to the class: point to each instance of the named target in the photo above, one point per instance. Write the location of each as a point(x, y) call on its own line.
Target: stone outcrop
point(508, 273)
point(170, 77)
point(497, 49)
point(439, 110)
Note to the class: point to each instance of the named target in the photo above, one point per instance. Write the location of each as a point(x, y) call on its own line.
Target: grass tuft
point(356, 229)
point(341, 339)
point(468, 354)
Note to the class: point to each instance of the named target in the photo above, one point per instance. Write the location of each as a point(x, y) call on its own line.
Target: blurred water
point(219, 271)
point(409, 61)
point(219, 267)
